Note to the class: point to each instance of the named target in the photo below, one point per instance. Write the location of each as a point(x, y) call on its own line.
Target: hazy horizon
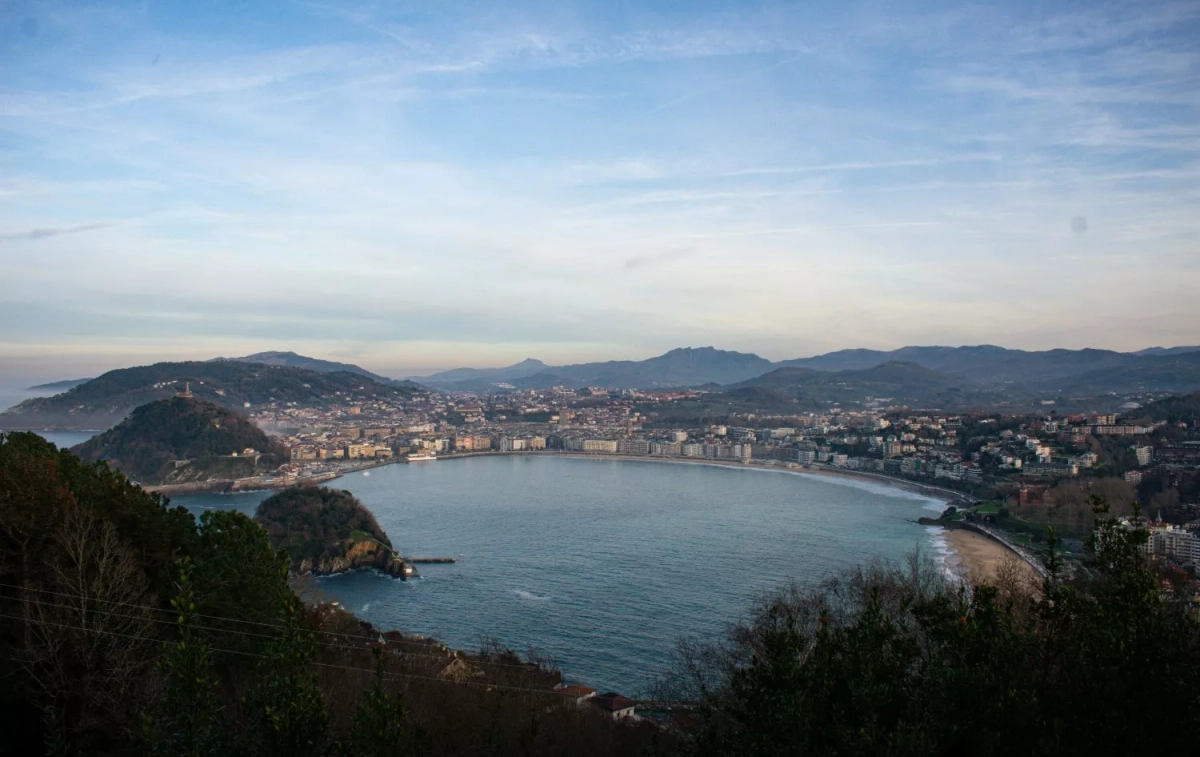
point(414, 188)
point(19, 375)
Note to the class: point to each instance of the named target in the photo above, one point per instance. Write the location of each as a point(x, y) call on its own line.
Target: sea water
point(604, 564)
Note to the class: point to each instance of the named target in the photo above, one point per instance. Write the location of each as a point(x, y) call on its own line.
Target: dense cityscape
point(1038, 469)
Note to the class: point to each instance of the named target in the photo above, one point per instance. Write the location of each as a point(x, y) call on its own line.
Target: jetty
point(420, 560)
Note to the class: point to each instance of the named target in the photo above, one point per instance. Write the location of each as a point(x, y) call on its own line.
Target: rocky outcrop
point(327, 531)
point(359, 555)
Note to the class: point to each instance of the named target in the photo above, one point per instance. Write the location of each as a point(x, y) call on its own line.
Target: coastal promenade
point(948, 496)
point(937, 492)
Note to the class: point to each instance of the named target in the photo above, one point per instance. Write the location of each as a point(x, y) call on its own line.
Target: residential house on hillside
point(614, 704)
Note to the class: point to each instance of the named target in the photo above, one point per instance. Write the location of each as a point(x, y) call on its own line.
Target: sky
point(416, 186)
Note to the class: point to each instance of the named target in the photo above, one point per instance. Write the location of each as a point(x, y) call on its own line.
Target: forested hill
point(326, 531)
point(182, 440)
point(127, 628)
point(1179, 409)
point(106, 399)
point(292, 360)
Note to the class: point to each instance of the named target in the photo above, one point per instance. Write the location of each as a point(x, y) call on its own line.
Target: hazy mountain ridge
point(977, 375)
point(293, 360)
point(1167, 350)
point(685, 366)
point(107, 399)
point(60, 386)
point(1048, 371)
point(1167, 372)
point(894, 379)
point(986, 363)
point(527, 367)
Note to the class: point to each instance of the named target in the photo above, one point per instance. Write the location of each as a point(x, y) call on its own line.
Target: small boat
point(417, 457)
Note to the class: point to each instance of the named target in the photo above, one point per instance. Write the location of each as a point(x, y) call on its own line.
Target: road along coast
point(936, 492)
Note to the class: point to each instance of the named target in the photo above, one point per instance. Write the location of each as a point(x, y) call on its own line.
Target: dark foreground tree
point(898, 662)
point(190, 721)
point(381, 726)
point(285, 711)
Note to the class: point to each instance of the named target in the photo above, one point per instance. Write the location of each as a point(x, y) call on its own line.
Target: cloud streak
point(45, 233)
point(661, 258)
point(359, 168)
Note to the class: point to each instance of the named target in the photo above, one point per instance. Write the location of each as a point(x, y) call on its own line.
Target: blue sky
point(417, 186)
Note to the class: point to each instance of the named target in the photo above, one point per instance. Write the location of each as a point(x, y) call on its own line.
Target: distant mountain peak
point(289, 359)
point(272, 354)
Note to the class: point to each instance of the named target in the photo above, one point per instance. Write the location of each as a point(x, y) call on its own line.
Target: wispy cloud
point(43, 233)
point(659, 258)
point(577, 158)
point(865, 165)
point(815, 228)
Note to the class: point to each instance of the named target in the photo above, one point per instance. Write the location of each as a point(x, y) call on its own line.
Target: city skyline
point(420, 188)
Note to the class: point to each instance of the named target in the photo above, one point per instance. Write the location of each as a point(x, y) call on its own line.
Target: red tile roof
point(576, 691)
point(611, 702)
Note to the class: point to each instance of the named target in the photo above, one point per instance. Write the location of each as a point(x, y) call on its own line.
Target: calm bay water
point(10, 396)
point(67, 439)
point(602, 563)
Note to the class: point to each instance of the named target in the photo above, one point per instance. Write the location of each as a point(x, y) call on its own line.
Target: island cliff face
point(326, 531)
point(358, 555)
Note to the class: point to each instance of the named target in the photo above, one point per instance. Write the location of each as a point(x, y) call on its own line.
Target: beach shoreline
point(948, 496)
point(976, 558)
point(961, 555)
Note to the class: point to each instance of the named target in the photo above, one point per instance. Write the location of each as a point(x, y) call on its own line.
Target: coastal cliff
point(327, 531)
point(359, 555)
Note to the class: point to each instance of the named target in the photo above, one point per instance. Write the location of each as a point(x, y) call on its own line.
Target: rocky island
point(183, 440)
point(326, 531)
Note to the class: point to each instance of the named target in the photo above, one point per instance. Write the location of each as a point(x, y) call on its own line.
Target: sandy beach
point(979, 558)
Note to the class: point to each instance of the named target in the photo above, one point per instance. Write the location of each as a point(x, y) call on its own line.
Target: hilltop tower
point(187, 391)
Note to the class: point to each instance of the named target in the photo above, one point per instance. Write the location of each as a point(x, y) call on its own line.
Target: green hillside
point(106, 399)
point(181, 440)
point(896, 379)
point(326, 531)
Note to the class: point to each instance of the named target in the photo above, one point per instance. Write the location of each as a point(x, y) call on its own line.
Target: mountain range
point(930, 376)
point(292, 360)
point(58, 386)
point(688, 366)
point(979, 367)
point(107, 399)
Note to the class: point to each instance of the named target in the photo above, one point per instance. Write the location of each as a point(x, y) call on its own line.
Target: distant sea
point(14, 395)
point(604, 564)
point(10, 395)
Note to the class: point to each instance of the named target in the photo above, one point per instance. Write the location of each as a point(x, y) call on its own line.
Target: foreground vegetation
point(134, 629)
point(896, 661)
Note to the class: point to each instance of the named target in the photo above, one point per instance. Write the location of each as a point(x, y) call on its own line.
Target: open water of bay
point(604, 564)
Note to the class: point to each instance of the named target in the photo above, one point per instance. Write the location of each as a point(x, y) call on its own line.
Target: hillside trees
point(889, 661)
